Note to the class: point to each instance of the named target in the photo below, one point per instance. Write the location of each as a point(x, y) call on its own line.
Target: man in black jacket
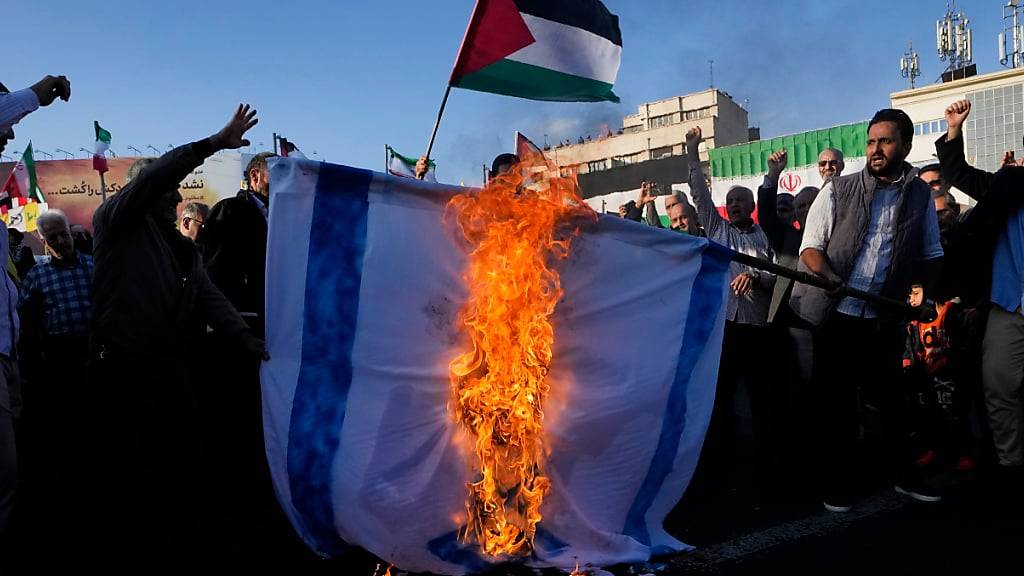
point(793, 342)
point(152, 295)
point(993, 236)
point(234, 244)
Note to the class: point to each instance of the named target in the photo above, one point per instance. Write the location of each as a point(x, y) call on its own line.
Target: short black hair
point(257, 162)
point(903, 122)
point(502, 159)
point(930, 168)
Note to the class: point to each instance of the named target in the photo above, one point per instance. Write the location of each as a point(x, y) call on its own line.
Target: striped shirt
point(753, 307)
point(16, 105)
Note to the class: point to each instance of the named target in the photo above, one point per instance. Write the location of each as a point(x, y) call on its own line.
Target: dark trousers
point(144, 506)
point(236, 487)
point(745, 356)
point(793, 351)
point(59, 407)
point(858, 358)
point(9, 405)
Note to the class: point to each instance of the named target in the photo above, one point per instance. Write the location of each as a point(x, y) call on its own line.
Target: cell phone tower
point(909, 66)
point(954, 41)
point(1011, 39)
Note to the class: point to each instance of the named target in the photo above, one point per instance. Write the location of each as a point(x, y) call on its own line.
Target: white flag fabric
point(364, 288)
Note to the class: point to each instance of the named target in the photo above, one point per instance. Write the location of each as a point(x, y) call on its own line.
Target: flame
point(386, 572)
point(516, 227)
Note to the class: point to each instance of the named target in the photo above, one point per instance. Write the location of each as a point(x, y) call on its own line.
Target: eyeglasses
point(196, 220)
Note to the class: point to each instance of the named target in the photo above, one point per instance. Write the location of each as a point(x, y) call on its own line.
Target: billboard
point(74, 187)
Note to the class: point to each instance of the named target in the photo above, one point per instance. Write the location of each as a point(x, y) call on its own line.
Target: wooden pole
point(103, 189)
point(437, 123)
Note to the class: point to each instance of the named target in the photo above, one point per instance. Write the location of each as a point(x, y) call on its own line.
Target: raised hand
point(646, 194)
point(694, 137)
point(777, 163)
point(231, 135)
point(1008, 159)
point(956, 113)
point(422, 167)
point(52, 87)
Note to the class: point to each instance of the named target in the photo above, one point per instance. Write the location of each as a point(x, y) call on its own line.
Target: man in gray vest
point(875, 231)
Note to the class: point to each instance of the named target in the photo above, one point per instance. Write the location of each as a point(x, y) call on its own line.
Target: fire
point(516, 229)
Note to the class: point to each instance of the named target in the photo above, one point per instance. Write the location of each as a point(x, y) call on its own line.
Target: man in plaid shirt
point(61, 289)
point(56, 311)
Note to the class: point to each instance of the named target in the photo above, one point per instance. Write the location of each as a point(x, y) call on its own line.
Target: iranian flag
point(22, 181)
point(404, 166)
point(99, 160)
point(558, 50)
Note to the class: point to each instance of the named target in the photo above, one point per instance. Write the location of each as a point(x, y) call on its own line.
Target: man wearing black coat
point(233, 240)
point(151, 296)
point(993, 233)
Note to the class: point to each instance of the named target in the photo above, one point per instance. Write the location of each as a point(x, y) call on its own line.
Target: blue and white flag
point(364, 289)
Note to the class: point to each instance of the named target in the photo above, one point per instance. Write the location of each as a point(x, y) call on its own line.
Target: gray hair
point(52, 215)
point(136, 168)
point(194, 209)
point(838, 153)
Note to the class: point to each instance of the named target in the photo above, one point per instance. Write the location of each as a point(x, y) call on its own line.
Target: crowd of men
point(129, 359)
point(945, 386)
point(129, 396)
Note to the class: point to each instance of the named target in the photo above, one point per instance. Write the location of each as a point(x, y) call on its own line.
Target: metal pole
point(923, 313)
point(437, 123)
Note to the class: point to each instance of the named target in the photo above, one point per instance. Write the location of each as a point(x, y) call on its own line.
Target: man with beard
point(875, 231)
point(830, 164)
point(233, 239)
point(152, 295)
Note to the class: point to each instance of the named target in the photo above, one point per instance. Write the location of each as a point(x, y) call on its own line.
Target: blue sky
point(344, 78)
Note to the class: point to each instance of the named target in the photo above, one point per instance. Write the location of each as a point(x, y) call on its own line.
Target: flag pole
point(923, 313)
point(103, 189)
point(437, 123)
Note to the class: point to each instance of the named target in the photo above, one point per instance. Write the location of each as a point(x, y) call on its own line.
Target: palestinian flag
point(99, 160)
point(22, 181)
point(558, 50)
point(404, 166)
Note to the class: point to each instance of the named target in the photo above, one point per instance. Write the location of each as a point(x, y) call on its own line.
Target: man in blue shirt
point(13, 107)
point(997, 226)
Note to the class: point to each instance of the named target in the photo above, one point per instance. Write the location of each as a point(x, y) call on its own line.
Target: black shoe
point(837, 503)
point(919, 490)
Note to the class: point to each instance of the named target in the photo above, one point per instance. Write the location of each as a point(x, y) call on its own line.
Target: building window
point(632, 129)
point(697, 114)
point(995, 126)
point(663, 152)
point(663, 120)
point(627, 159)
point(597, 165)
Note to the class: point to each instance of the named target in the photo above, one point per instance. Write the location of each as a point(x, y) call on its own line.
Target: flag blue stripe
point(333, 276)
point(705, 303)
